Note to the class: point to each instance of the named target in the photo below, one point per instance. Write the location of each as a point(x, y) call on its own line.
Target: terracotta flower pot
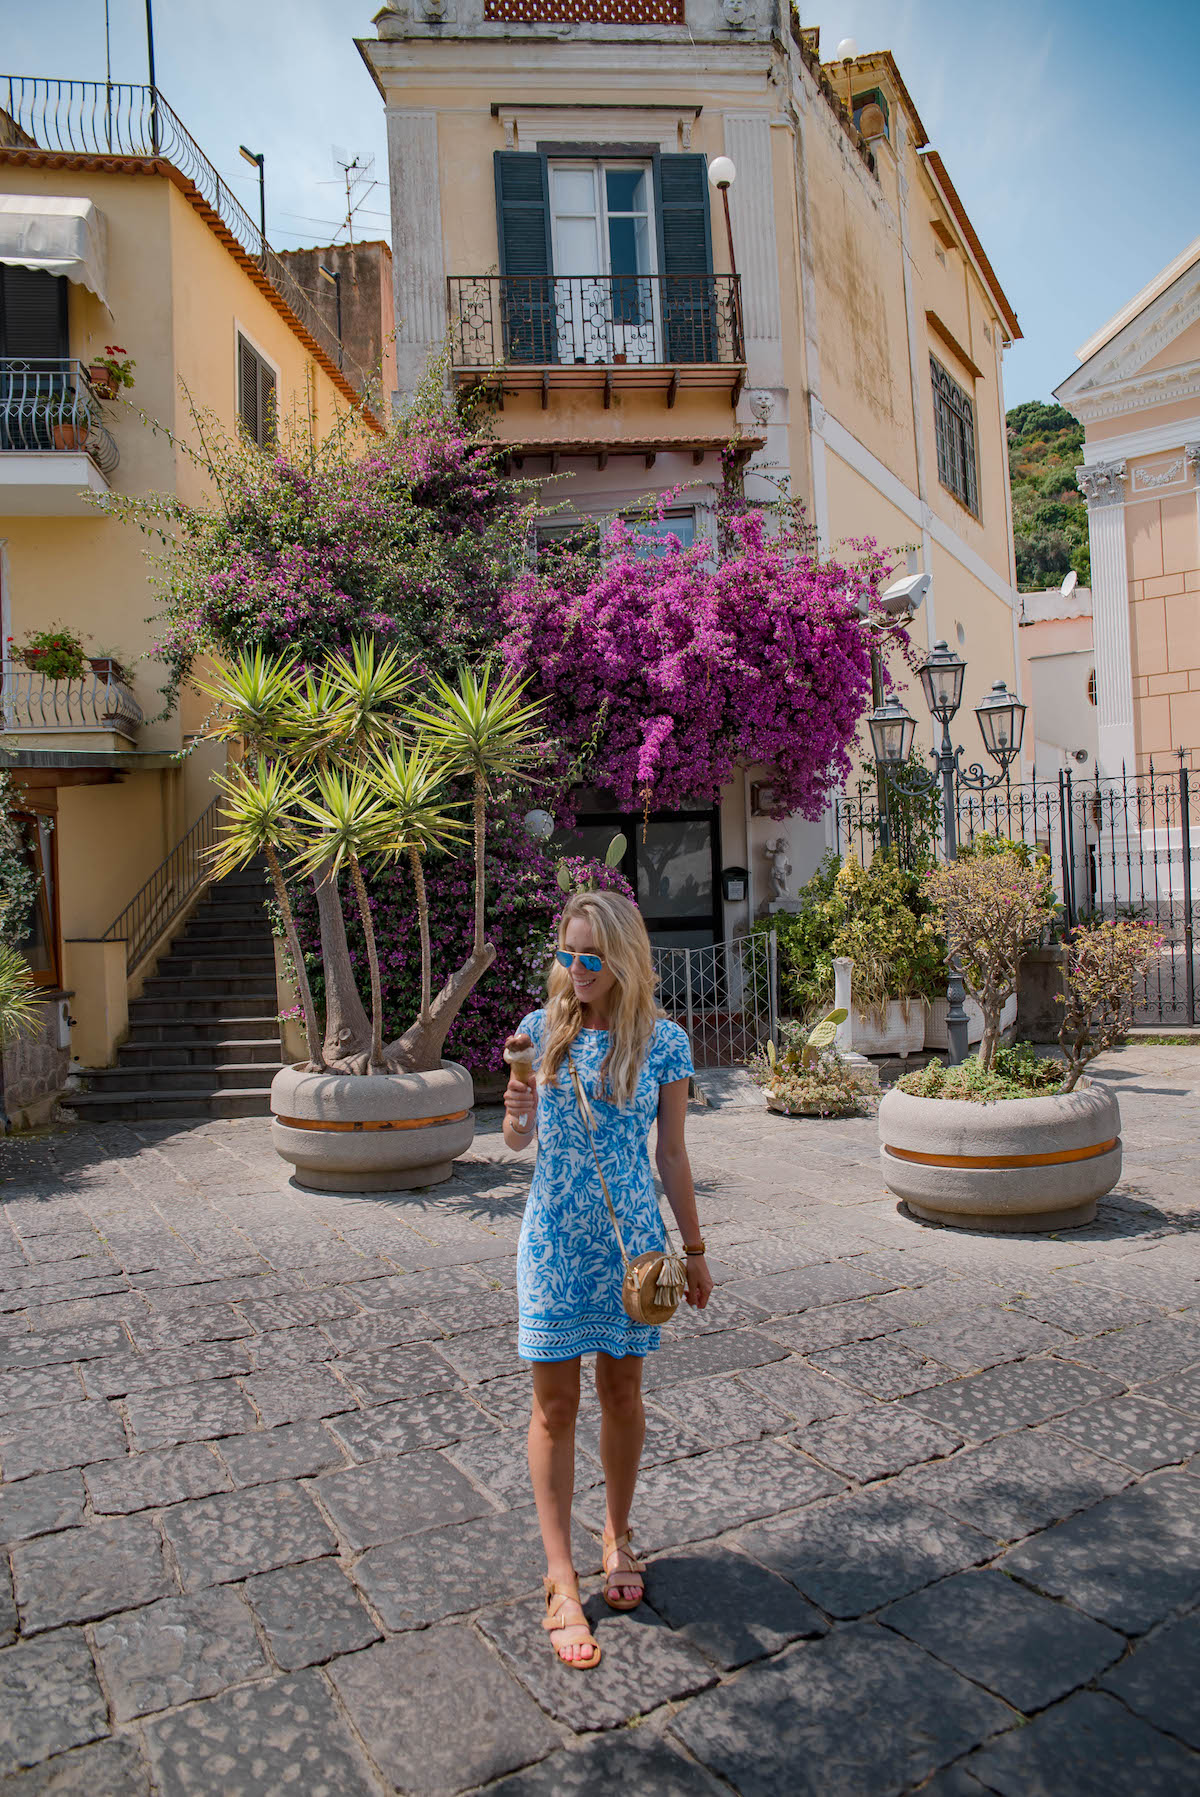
point(1015, 1164)
point(383, 1132)
point(69, 435)
point(103, 381)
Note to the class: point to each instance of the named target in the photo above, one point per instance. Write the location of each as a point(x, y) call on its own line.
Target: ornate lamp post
point(1002, 726)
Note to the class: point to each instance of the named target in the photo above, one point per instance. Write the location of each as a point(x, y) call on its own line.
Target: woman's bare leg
point(622, 1433)
point(552, 1467)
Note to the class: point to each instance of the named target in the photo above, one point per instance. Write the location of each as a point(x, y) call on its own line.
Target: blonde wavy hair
point(620, 937)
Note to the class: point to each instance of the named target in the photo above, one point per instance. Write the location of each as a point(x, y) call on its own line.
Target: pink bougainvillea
point(664, 670)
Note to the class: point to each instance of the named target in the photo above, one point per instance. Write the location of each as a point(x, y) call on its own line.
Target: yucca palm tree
point(20, 997)
point(259, 816)
point(254, 695)
point(484, 733)
point(348, 815)
point(369, 685)
point(411, 782)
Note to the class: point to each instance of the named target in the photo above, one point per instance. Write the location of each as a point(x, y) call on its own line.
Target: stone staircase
point(204, 1036)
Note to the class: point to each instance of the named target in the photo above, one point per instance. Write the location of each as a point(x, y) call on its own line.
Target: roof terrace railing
point(121, 118)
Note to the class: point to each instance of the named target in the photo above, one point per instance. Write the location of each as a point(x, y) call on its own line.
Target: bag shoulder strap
point(585, 1111)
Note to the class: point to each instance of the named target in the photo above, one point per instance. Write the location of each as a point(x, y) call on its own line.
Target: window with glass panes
point(954, 428)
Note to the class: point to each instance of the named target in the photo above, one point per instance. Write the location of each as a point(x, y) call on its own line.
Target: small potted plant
point(56, 654)
point(111, 371)
point(1008, 1141)
point(805, 1076)
point(109, 665)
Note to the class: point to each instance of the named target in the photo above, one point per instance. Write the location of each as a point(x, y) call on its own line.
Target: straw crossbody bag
point(654, 1282)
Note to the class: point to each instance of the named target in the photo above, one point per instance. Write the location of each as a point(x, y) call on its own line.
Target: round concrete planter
point(1018, 1164)
point(376, 1132)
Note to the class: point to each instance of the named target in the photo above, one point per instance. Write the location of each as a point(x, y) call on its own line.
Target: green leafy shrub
point(1016, 1072)
point(879, 917)
point(992, 904)
point(805, 1074)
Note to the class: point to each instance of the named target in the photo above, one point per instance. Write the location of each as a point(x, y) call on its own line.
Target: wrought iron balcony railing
point(595, 320)
point(120, 118)
point(48, 403)
point(95, 702)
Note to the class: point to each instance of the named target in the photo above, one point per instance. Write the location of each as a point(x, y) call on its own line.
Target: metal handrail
point(48, 403)
point(122, 118)
point(169, 888)
point(598, 320)
point(31, 700)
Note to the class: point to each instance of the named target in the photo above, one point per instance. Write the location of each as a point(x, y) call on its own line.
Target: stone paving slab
point(902, 1484)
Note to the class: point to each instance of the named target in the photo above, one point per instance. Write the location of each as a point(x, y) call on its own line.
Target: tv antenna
point(358, 175)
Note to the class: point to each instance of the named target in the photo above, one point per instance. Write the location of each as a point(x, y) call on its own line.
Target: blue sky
point(1067, 125)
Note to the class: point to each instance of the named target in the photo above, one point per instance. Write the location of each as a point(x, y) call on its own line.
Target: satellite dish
point(1070, 582)
point(847, 50)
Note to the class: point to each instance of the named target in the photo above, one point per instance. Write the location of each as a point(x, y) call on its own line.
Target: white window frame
point(584, 308)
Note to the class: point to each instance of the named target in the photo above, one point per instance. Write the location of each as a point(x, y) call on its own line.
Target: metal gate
point(724, 995)
point(1117, 847)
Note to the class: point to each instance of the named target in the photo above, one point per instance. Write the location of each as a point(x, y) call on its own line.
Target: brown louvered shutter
point(256, 395)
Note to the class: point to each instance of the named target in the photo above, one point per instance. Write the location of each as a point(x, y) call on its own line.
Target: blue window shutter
point(526, 262)
point(685, 258)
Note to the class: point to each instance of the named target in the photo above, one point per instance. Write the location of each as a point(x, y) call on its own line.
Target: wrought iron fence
point(33, 701)
point(167, 891)
point(601, 320)
point(725, 996)
point(48, 403)
point(122, 118)
point(1124, 847)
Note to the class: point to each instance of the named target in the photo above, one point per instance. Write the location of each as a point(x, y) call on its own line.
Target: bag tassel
point(672, 1280)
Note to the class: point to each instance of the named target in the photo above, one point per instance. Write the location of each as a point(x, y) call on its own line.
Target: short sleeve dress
point(569, 1267)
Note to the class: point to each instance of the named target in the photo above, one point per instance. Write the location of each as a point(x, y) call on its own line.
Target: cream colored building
point(1137, 394)
point(554, 229)
point(114, 228)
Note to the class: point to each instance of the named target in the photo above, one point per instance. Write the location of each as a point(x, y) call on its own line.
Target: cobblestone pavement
point(923, 1506)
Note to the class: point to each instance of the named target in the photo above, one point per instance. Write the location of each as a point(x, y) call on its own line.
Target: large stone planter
point(1017, 1164)
point(382, 1132)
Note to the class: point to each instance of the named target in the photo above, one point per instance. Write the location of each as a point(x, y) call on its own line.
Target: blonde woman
point(633, 1066)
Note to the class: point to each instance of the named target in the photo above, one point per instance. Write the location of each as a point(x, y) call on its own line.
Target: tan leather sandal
point(626, 1569)
point(560, 1598)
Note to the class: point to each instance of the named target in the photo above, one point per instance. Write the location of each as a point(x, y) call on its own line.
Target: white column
point(1103, 486)
point(419, 269)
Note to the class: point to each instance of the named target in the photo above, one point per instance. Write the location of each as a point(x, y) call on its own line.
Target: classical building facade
point(1137, 394)
point(557, 237)
point(115, 229)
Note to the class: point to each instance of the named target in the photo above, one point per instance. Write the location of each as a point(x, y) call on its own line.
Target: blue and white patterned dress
point(569, 1267)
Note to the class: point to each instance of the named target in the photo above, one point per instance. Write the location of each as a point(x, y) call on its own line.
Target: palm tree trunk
point(480, 828)
point(418, 874)
point(311, 1029)
point(347, 1027)
point(364, 910)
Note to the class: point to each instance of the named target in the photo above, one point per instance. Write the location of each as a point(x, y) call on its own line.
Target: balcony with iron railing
point(603, 331)
point(97, 711)
point(128, 119)
point(49, 410)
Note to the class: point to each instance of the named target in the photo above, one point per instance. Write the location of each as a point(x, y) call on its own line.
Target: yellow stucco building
point(555, 230)
point(1137, 394)
point(115, 229)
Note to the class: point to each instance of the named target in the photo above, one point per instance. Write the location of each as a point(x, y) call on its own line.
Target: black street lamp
point(1002, 726)
point(259, 162)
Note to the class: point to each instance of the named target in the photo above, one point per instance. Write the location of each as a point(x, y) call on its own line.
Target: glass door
point(672, 862)
point(603, 238)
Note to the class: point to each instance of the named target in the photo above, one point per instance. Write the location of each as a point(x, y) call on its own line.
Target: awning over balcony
point(58, 234)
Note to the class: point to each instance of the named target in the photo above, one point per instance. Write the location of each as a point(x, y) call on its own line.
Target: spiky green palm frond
point(371, 685)
point(483, 730)
point(344, 818)
point(412, 784)
point(20, 998)
point(309, 726)
point(262, 802)
point(253, 694)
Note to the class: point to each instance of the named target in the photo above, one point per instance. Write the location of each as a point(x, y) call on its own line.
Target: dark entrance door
point(672, 862)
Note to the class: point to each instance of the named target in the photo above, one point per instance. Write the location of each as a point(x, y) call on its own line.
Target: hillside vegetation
point(1045, 446)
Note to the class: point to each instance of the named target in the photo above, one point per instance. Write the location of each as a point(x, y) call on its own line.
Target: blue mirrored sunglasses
point(564, 957)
